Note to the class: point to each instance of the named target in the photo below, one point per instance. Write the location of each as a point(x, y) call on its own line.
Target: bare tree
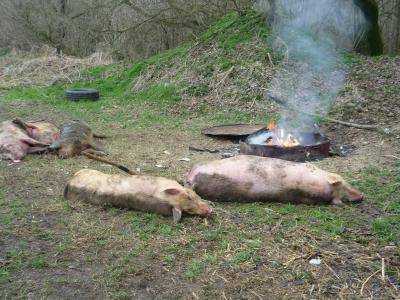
point(389, 21)
point(129, 27)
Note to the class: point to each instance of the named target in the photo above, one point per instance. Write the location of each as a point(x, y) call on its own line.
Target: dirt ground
point(52, 248)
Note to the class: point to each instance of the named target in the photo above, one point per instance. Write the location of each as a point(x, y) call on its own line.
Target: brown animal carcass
point(258, 179)
point(143, 193)
point(76, 137)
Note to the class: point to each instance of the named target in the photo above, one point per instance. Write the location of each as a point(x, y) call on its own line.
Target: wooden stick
point(365, 282)
point(191, 148)
point(392, 156)
point(270, 59)
point(349, 124)
point(383, 275)
point(227, 73)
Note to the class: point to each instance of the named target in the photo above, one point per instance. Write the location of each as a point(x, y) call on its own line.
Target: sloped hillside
point(153, 111)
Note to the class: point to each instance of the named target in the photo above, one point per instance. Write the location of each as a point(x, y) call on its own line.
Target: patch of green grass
point(225, 63)
point(39, 262)
point(327, 221)
point(16, 259)
point(4, 275)
point(197, 90)
point(194, 269)
point(12, 210)
point(4, 51)
point(387, 228)
point(256, 213)
point(287, 209)
point(235, 29)
point(248, 253)
point(169, 55)
point(63, 245)
point(45, 235)
point(382, 187)
point(159, 94)
point(148, 225)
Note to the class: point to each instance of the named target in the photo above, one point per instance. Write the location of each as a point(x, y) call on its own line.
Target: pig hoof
point(337, 201)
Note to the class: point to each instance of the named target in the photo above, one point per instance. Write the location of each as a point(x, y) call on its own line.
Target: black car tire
point(80, 94)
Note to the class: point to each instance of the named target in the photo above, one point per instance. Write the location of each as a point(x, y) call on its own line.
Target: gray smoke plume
point(311, 36)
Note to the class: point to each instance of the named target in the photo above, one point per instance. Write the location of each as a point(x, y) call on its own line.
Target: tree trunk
point(60, 46)
point(389, 21)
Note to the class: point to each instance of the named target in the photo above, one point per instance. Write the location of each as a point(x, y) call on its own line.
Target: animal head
point(67, 150)
point(186, 200)
point(343, 190)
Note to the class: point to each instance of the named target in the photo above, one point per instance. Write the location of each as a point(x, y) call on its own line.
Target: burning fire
point(280, 137)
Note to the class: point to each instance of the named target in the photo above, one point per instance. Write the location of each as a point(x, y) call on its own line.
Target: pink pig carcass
point(43, 132)
point(138, 192)
point(247, 178)
point(15, 142)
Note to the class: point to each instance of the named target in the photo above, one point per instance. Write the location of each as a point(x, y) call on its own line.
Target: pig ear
point(335, 181)
point(172, 192)
point(177, 214)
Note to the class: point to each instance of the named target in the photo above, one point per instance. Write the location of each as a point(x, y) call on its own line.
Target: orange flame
point(280, 137)
point(271, 125)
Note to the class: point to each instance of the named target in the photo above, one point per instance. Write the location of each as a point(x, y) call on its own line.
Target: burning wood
point(273, 141)
point(280, 137)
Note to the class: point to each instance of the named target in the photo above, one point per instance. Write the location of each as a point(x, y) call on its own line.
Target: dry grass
point(45, 68)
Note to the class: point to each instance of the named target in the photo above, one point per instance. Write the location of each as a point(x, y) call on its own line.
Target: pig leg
point(97, 148)
point(34, 143)
point(21, 124)
point(36, 150)
point(95, 152)
point(336, 186)
point(176, 214)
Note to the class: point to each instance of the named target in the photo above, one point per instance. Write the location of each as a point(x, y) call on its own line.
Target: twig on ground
point(270, 59)
point(366, 281)
point(227, 73)
point(330, 269)
point(349, 124)
point(257, 295)
point(286, 264)
point(392, 156)
point(224, 296)
point(191, 148)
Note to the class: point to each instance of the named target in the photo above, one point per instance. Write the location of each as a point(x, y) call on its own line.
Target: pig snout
point(200, 209)
point(205, 210)
point(353, 194)
point(356, 196)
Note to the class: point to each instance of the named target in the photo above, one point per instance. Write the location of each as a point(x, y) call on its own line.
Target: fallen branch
point(191, 148)
point(348, 124)
point(392, 156)
point(227, 73)
point(366, 281)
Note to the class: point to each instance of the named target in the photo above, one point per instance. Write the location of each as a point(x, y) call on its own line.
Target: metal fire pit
point(232, 131)
point(317, 150)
